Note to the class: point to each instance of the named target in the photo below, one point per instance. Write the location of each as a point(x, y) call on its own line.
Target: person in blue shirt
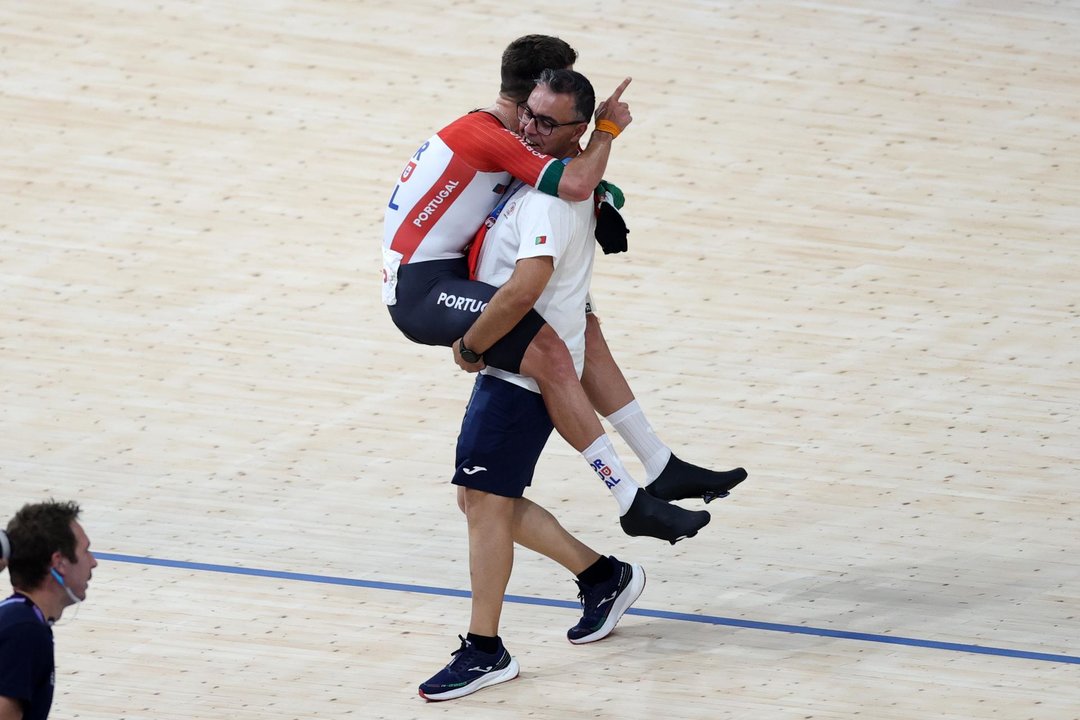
point(48, 558)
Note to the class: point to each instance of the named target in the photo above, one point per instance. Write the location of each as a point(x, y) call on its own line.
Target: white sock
point(603, 460)
point(634, 428)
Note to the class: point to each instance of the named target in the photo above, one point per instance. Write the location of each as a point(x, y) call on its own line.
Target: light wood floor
point(854, 269)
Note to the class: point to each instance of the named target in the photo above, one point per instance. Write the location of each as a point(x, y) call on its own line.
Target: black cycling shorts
point(437, 303)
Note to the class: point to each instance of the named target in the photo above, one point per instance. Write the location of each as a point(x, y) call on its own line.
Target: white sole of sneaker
point(506, 674)
point(622, 603)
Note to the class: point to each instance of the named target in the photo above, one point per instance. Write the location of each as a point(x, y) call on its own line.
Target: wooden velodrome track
point(853, 269)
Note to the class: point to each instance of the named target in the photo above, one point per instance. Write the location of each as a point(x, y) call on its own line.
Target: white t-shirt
point(534, 225)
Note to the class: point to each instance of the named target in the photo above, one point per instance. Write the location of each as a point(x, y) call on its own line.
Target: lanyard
point(494, 214)
point(472, 255)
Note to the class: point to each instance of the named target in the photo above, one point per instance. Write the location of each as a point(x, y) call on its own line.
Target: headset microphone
point(60, 579)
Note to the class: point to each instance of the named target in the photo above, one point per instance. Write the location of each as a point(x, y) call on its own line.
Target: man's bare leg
point(537, 529)
point(603, 379)
point(482, 660)
point(667, 476)
point(548, 362)
point(608, 586)
point(533, 527)
point(491, 557)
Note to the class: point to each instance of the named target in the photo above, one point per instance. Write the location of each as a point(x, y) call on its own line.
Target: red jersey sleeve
point(480, 140)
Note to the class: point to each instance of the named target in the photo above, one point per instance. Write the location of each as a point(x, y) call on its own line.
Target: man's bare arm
point(584, 173)
point(507, 307)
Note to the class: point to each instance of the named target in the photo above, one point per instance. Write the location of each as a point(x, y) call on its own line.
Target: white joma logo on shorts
point(474, 469)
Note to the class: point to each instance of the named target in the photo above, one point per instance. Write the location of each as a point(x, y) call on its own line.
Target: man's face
point(550, 123)
point(77, 574)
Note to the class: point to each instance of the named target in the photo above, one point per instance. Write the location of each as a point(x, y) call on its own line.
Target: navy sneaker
point(469, 671)
point(605, 603)
point(681, 480)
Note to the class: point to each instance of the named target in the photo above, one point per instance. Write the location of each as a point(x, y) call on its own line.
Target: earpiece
point(60, 579)
point(5, 547)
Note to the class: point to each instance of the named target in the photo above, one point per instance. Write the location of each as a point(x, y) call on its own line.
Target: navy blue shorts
point(504, 430)
point(437, 303)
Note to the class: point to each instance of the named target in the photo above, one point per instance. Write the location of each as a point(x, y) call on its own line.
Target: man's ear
point(580, 133)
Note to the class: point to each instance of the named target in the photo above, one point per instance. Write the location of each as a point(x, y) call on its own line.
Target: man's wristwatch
point(466, 354)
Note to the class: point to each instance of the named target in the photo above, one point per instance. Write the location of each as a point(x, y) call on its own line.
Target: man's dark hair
point(36, 532)
point(571, 82)
point(528, 56)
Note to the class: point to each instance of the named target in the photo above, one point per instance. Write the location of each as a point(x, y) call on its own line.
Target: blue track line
point(661, 614)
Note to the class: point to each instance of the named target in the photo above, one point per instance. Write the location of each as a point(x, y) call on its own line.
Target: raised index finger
point(619, 90)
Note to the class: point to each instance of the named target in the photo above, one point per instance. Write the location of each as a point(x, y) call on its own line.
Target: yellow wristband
point(608, 127)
